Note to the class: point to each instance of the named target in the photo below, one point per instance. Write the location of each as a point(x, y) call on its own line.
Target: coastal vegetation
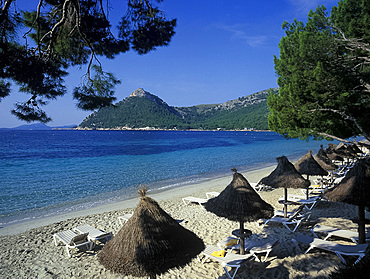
point(324, 82)
point(143, 109)
point(324, 75)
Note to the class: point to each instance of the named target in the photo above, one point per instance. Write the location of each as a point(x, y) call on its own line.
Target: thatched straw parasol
point(323, 160)
point(334, 156)
point(285, 176)
point(331, 147)
point(150, 243)
point(308, 165)
point(340, 146)
point(241, 203)
point(355, 189)
point(345, 151)
point(365, 143)
point(355, 148)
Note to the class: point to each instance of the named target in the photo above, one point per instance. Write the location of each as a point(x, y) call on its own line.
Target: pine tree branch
point(353, 41)
point(5, 9)
point(332, 137)
point(345, 117)
point(52, 32)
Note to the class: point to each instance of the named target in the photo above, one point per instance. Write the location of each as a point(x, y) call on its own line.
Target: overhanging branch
point(4, 10)
point(345, 117)
point(356, 43)
point(341, 113)
point(333, 137)
point(52, 32)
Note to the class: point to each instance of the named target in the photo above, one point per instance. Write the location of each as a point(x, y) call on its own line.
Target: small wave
point(54, 185)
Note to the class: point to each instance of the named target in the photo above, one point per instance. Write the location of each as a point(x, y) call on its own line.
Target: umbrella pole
point(286, 203)
point(361, 224)
point(307, 190)
point(242, 239)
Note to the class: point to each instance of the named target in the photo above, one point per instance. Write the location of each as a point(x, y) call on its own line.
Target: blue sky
point(222, 50)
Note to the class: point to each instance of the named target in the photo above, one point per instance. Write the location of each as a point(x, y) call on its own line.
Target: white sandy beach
point(28, 251)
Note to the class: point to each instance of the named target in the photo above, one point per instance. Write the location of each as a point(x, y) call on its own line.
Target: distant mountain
point(142, 109)
point(35, 126)
point(39, 127)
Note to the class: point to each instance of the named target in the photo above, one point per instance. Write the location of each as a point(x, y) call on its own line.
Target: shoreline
point(36, 207)
point(28, 251)
point(78, 128)
point(211, 183)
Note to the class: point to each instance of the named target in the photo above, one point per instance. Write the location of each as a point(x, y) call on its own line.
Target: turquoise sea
point(54, 172)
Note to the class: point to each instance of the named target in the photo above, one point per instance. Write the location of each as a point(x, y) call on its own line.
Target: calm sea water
point(53, 172)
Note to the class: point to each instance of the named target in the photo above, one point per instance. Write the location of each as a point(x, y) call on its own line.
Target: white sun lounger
point(286, 222)
point(309, 203)
point(72, 240)
point(255, 247)
point(330, 231)
point(296, 212)
point(260, 247)
point(339, 249)
point(188, 200)
point(315, 190)
point(260, 187)
point(124, 218)
point(230, 259)
point(292, 223)
point(212, 194)
point(94, 234)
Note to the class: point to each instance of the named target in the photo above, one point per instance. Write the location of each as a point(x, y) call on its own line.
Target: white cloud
point(237, 32)
point(303, 6)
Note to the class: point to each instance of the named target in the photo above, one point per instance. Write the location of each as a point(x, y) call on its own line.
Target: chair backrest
point(297, 212)
point(338, 180)
point(79, 239)
point(306, 216)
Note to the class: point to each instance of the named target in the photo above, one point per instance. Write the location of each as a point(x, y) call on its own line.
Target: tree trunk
point(361, 224)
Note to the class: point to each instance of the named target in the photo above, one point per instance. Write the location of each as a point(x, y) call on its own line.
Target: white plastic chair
point(72, 240)
point(331, 231)
point(94, 234)
point(339, 249)
point(230, 259)
point(188, 200)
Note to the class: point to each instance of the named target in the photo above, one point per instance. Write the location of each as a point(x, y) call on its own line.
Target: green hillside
point(142, 109)
point(254, 116)
point(134, 112)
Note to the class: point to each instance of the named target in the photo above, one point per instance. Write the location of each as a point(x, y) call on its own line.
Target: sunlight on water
point(44, 172)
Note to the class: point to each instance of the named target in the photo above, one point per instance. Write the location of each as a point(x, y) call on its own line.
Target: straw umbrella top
point(365, 143)
point(239, 202)
point(323, 160)
point(345, 151)
point(308, 165)
point(150, 243)
point(333, 155)
point(285, 175)
point(355, 187)
point(331, 147)
point(355, 148)
point(340, 146)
